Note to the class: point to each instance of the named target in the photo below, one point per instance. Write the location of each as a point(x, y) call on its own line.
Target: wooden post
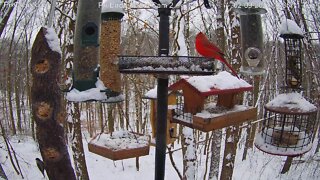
point(46, 106)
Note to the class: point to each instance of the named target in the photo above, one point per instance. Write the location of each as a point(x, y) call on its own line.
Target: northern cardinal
point(209, 50)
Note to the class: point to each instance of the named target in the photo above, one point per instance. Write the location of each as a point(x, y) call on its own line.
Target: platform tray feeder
point(195, 113)
point(120, 145)
point(287, 129)
point(173, 65)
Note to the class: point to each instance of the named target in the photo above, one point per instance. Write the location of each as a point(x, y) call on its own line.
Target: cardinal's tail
point(233, 71)
point(229, 66)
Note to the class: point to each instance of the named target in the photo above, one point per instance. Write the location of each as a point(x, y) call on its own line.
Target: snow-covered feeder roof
point(221, 83)
point(290, 29)
point(245, 7)
point(291, 103)
point(113, 9)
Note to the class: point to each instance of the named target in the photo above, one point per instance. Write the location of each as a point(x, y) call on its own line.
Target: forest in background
point(21, 20)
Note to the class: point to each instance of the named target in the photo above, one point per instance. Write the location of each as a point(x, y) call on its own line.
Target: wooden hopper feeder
point(189, 113)
point(120, 145)
point(171, 127)
point(287, 129)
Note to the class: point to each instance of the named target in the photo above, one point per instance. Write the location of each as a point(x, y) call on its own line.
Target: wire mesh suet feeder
point(288, 127)
point(292, 35)
point(112, 13)
point(289, 120)
point(86, 45)
point(251, 36)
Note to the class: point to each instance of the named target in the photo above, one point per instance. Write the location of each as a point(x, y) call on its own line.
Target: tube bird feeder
point(86, 45)
point(112, 13)
point(251, 36)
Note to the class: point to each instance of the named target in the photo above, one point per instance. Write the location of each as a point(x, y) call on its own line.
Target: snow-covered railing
point(166, 65)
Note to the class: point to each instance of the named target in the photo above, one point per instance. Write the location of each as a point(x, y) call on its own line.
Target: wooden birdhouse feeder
point(292, 35)
point(171, 127)
point(194, 112)
point(120, 145)
point(288, 127)
point(111, 16)
point(251, 35)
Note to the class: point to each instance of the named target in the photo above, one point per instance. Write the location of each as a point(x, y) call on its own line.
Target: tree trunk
point(77, 146)
point(2, 173)
point(215, 154)
point(287, 165)
point(189, 172)
point(216, 140)
point(232, 138)
point(6, 10)
point(46, 107)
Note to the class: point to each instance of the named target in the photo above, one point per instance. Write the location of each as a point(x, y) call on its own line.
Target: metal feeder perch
point(120, 145)
point(166, 65)
point(288, 129)
point(251, 37)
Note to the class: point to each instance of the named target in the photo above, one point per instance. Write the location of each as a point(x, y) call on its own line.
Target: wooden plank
point(225, 120)
point(120, 154)
point(226, 100)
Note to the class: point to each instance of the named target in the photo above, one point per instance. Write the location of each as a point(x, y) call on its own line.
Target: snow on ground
point(258, 166)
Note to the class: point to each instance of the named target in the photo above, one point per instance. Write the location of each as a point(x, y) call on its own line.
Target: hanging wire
point(51, 13)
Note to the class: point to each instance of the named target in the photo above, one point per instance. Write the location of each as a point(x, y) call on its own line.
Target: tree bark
point(46, 109)
point(77, 146)
point(287, 165)
point(6, 10)
point(2, 173)
point(232, 138)
point(189, 157)
point(216, 140)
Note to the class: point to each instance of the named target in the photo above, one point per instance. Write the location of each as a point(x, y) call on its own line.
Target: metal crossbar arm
point(166, 65)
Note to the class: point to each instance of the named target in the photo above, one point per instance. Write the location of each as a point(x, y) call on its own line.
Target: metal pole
point(162, 97)
point(50, 19)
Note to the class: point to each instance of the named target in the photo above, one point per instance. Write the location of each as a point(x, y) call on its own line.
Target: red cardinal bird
point(209, 50)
